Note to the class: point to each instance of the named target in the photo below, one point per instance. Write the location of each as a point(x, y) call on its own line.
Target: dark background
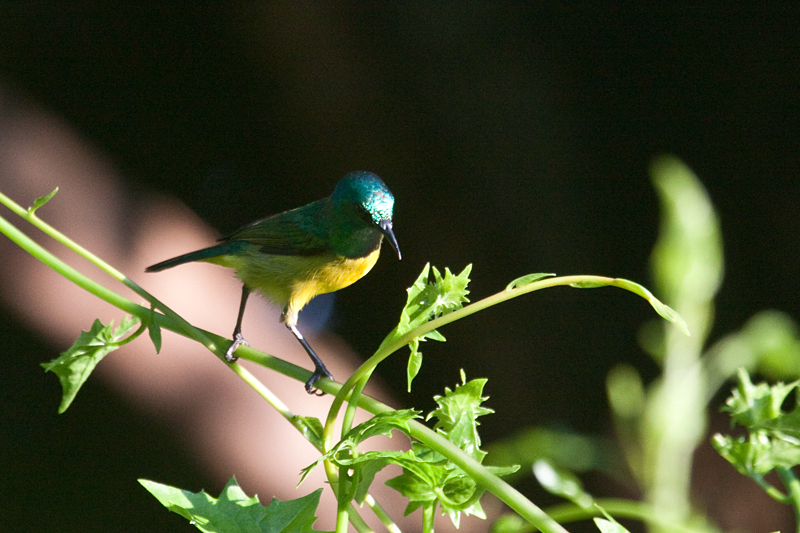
point(514, 138)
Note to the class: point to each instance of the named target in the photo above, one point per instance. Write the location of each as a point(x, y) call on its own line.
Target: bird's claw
point(319, 372)
point(237, 341)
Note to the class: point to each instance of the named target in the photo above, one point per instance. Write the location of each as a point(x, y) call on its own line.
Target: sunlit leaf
point(39, 202)
point(235, 512)
point(74, 366)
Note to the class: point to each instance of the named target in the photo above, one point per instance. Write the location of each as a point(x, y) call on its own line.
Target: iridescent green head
point(371, 198)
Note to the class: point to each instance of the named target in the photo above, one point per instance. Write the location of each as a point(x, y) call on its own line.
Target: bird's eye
point(364, 213)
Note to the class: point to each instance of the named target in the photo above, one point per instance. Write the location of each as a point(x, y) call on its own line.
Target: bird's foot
point(237, 341)
point(319, 372)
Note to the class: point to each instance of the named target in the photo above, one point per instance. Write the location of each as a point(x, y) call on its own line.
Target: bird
point(293, 256)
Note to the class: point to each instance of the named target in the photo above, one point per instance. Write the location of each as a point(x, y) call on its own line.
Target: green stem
point(483, 477)
point(428, 515)
point(619, 508)
point(37, 251)
point(342, 520)
point(169, 320)
point(131, 337)
point(174, 322)
point(352, 404)
point(382, 515)
point(793, 484)
point(363, 372)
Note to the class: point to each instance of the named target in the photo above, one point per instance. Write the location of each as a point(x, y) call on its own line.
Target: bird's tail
point(198, 255)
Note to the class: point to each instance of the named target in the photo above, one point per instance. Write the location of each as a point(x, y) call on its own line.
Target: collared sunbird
point(296, 255)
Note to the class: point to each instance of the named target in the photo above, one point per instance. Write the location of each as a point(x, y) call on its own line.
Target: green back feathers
point(350, 223)
point(347, 223)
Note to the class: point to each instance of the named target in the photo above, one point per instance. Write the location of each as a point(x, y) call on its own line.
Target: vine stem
point(489, 481)
point(170, 320)
point(37, 251)
point(793, 484)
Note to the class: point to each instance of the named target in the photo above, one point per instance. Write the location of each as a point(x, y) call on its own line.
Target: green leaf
point(758, 454)
point(661, 308)
point(687, 260)
point(562, 483)
point(526, 280)
point(457, 415)
point(235, 512)
point(562, 448)
point(752, 405)
point(428, 478)
point(426, 484)
point(154, 330)
point(311, 429)
point(773, 440)
point(787, 425)
point(418, 483)
point(773, 339)
point(429, 299)
point(414, 362)
point(608, 526)
point(75, 365)
point(39, 202)
point(345, 452)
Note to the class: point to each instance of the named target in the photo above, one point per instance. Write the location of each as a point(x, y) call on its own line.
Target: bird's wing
point(297, 232)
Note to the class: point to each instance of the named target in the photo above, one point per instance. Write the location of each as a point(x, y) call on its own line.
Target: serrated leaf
point(773, 439)
point(788, 425)
point(429, 299)
point(381, 424)
point(457, 415)
point(427, 484)
point(758, 454)
point(428, 478)
point(752, 405)
point(235, 512)
point(39, 202)
point(526, 280)
point(74, 366)
point(365, 473)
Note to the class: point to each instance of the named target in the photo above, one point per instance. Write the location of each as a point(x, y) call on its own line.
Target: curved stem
point(793, 484)
point(619, 508)
point(174, 322)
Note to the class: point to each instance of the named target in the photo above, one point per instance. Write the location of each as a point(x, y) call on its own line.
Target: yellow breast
point(291, 281)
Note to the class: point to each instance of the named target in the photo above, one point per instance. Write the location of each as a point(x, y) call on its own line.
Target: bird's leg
point(237, 331)
point(319, 367)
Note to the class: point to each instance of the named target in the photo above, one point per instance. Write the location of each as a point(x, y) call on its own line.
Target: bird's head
point(370, 199)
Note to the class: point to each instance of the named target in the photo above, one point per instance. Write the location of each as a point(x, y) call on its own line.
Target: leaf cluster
point(432, 479)
point(427, 300)
point(442, 469)
point(772, 442)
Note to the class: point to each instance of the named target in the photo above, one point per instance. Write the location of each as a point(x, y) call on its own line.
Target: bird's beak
point(386, 228)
